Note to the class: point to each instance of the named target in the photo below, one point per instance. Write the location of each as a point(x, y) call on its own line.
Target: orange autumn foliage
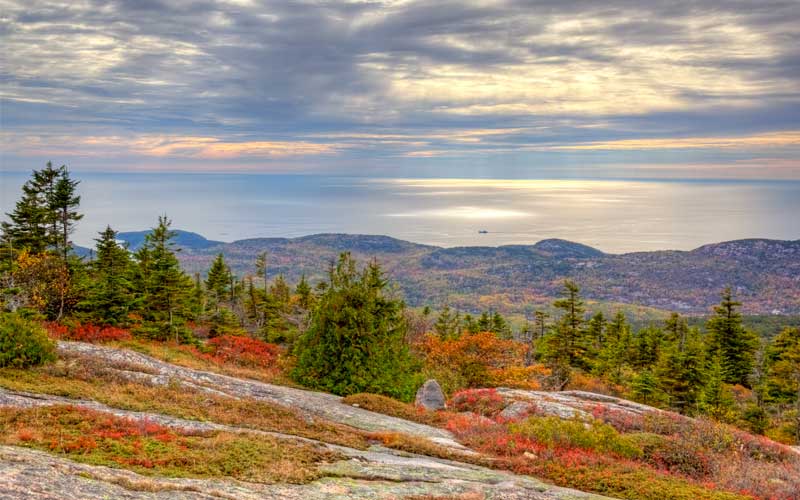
point(470, 360)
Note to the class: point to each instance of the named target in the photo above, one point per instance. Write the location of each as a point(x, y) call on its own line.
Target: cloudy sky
point(507, 89)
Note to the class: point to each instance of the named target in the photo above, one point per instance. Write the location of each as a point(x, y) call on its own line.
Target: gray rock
point(430, 396)
point(517, 410)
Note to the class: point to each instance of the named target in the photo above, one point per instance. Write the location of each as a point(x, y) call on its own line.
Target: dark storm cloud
point(392, 79)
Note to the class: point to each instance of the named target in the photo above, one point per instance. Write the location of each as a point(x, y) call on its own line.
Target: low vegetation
point(101, 439)
point(84, 378)
point(23, 343)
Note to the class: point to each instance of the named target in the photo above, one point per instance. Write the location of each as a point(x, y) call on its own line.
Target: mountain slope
point(765, 274)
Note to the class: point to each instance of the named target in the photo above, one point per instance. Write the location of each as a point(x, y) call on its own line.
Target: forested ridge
point(765, 274)
point(349, 330)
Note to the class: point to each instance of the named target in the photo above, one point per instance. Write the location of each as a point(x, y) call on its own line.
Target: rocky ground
point(374, 473)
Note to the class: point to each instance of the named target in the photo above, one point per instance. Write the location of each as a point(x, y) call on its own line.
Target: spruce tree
point(716, 398)
point(566, 344)
point(614, 355)
point(448, 324)
point(111, 295)
point(261, 268)
point(167, 288)
point(356, 340)
point(595, 334)
point(728, 338)
point(500, 326)
point(305, 296)
point(218, 281)
point(32, 223)
point(63, 204)
point(681, 365)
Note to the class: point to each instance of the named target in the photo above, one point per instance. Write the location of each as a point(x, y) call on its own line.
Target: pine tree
point(614, 355)
point(595, 333)
point(63, 205)
point(500, 326)
point(32, 224)
point(448, 324)
point(783, 380)
point(484, 322)
point(729, 339)
point(645, 387)
point(716, 398)
point(356, 341)
point(218, 281)
point(111, 295)
point(166, 288)
point(540, 325)
point(261, 267)
point(647, 344)
point(566, 344)
point(681, 365)
point(305, 296)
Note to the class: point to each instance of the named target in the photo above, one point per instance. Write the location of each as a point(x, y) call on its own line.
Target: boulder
point(430, 396)
point(517, 410)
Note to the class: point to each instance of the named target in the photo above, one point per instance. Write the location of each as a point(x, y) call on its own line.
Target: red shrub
point(486, 402)
point(243, 351)
point(87, 332)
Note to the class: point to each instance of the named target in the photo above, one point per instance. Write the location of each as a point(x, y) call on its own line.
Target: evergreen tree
point(166, 289)
point(566, 343)
point(716, 398)
point(500, 326)
point(469, 324)
point(32, 223)
point(540, 325)
point(729, 339)
point(644, 387)
point(484, 322)
point(647, 344)
point(111, 295)
point(356, 341)
point(218, 281)
point(280, 291)
point(63, 205)
point(261, 267)
point(595, 333)
point(681, 365)
point(305, 296)
point(613, 356)
point(783, 380)
point(448, 324)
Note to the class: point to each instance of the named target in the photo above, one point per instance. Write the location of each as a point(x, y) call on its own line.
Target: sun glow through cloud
point(409, 88)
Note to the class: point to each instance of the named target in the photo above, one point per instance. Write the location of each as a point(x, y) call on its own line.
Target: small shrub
point(486, 402)
point(243, 351)
point(87, 332)
point(24, 343)
point(575, 433)
point(672, 454)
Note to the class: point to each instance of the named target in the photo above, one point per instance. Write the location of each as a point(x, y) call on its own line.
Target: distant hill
point(183, 239)
point(518, 278)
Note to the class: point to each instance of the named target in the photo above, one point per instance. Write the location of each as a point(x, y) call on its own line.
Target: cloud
point(370, 83)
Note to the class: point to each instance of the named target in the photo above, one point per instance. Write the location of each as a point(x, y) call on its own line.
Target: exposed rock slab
point(567, 404)
point(29, 474)
point(320, 404)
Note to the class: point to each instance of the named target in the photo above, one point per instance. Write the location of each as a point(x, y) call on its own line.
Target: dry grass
point(192, 357)
point(395, 408)
point(87, 379)
point(100, 439)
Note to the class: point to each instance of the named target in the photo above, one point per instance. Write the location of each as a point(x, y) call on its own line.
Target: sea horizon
point(615, 215)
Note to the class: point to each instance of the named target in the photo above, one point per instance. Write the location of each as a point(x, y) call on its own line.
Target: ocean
point(612, 215)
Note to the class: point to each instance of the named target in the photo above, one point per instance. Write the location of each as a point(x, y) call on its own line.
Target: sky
point(505, 89)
